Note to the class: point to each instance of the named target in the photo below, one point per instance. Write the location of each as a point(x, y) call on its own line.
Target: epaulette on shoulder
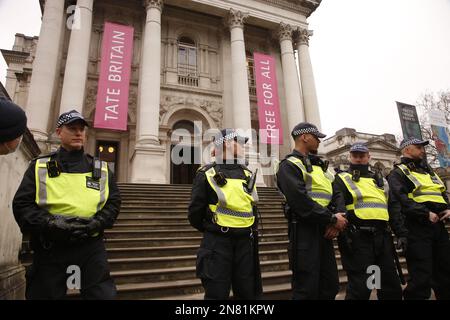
point(48, 155)
point(206, 167)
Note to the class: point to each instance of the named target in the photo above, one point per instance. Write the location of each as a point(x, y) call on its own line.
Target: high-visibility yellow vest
point(318, 183)
point(427, 187)
point(71, 194)
point(369, 200)
point(234, 208)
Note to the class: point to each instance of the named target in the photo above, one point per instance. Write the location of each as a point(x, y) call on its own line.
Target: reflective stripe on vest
point(69, 194)
point(234, 207)
point(317, 183)
point(369, 201)
point(426, 187)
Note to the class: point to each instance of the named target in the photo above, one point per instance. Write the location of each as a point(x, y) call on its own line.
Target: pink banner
point(115, 72)
point(270, 130)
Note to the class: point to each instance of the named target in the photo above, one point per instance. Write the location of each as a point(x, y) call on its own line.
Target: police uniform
point(367, 240)
point(64, 203)
point(306, 184)
point(224, 209)
point(416, 190)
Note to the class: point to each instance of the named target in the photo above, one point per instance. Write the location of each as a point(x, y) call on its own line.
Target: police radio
point(308, 164)
point(379, 179)
point(97, 170)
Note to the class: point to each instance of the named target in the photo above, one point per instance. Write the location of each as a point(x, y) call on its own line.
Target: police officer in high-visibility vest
point(316, 215)
point(421, 196)
point(223, 207)
point(65, 201)
point(367, 240)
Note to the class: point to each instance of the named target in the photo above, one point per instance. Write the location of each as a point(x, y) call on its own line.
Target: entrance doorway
point(184, 172)
point(108, 151)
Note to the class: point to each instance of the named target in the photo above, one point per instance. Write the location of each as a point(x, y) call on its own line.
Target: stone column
point(241, 97)
point(148, 162)
point(239, 76)
point(294, 102)
point(307, 78)
point(45, 68)
point(75, 74)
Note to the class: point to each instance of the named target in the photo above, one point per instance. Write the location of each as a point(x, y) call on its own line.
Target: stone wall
point(12, 168)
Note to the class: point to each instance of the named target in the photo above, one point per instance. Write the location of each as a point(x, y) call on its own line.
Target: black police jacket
point(400, 186)
point(290, 182)
point(32, 219)
point(199, 215)
point(396, 220)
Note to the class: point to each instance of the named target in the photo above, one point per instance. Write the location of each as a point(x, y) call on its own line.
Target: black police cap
point(69, 117)
point(306, 127)
point(228, 134)
point(412, 140)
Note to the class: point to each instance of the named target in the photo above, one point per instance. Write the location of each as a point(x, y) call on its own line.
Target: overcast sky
point(366, 54)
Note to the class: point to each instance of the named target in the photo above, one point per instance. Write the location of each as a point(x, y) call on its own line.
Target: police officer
point(223, 208)
point(316, 216)
point(367, 240)
point(421, 196)
point(13, 123)
point(65, 201)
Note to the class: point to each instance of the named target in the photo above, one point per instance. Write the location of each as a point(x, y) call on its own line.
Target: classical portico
point(197, 52)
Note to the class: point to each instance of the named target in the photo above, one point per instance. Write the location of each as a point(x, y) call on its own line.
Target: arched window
point(187, 62)
point(251, 73)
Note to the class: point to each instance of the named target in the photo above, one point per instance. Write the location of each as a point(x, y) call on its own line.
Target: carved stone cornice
point(236, 19)
point(285, 32)
point(158, 4)
point(302, 36)
point(304, 7)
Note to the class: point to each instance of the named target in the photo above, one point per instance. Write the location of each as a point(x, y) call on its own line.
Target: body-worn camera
point(220, 179)
point(53, 169)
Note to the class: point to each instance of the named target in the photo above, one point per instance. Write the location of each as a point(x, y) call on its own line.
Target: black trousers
point(225, 261)
point(369, 249)
point(315, 276)
point(49, 275)
point(428, 259)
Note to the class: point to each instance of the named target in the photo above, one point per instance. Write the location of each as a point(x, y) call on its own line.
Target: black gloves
point(402, 245)
point(91, 228)
point(60, 228)
point(72, 229)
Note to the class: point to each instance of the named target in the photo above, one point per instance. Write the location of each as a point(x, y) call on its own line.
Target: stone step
point(181, 218)
point(185, 273)
point(151, 233)
point(169, 203)
point(184, 211)
point(172, 187)
point(170, 226)
point(170, 251)
point(170, 241)
point(180, 261)
point(183, 221)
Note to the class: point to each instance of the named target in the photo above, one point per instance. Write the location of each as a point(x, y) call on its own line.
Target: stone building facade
point(192, 62)
point(383, 148)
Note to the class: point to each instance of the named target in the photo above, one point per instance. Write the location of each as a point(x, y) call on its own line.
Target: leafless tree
point(426, 103)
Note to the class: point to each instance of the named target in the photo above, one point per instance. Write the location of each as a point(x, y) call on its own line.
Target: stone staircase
point(152, 248)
